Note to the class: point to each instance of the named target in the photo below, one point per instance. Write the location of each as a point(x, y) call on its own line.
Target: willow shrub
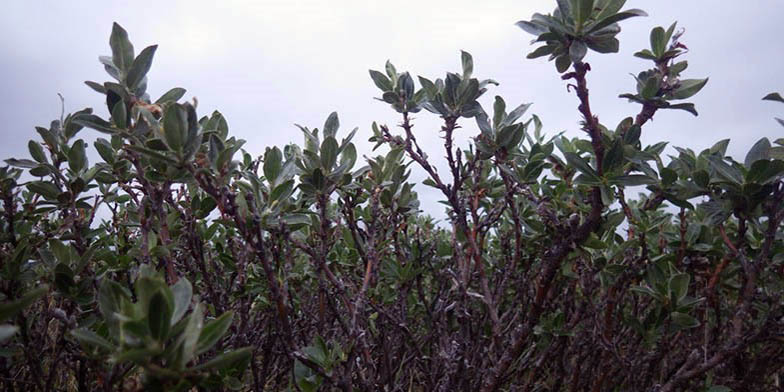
point(307, 269)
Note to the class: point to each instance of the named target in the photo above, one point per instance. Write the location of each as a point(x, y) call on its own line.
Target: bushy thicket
point(305, 269)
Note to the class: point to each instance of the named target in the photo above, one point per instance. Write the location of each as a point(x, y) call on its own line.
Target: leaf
point(688, 88)
point(141, 65)
point(122, 49)
point(684, 321)
point(581, 11)
point(773, 97)
point(729, 173)
point(90, 338)
point(562, 63)
point(175, 126)
point(77, 157)
point(183, 293)
point(23, 163)
point(468, 64)
point(759, 151)
point(689, 107)
point(615, 18)
point(273, 162)
point(172, 95)
point(44, 188)
point(577, 51)
point(213, 331)
point(580, 164)
point(94, 122)
point(36, 151)
point(329, 153)
point(331, 125)
point(668, 176)
point(531, 28)
point(658, 41)
point(226, 360)
point(191, 334)
point(381, 81)
point(96, 86)
point(679, 285)
point(515, 114)
point(159, 317)
point(604, 45)
point(119, 115)
point(545, 50)
point(651, 88)
point(633, 180)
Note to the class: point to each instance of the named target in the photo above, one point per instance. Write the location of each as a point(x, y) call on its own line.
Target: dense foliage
point(303, 269)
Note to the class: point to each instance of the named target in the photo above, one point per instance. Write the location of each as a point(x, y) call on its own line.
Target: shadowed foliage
point(180, 261)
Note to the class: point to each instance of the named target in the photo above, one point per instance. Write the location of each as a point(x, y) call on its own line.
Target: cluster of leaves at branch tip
point(308, 268)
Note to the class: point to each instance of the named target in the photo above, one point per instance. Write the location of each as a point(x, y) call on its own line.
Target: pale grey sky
point(269, 64)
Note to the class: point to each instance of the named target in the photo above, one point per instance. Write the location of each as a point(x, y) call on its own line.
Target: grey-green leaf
point(688, 87)
point(141, 65)
point(759, 151)
point(122, 49)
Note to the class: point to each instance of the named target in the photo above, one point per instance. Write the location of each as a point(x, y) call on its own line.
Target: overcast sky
point(269, 64)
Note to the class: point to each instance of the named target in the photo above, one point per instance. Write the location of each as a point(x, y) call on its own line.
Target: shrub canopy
point(309, 269)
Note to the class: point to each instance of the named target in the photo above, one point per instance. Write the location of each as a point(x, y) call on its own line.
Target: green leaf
point(329, 153)
point(679, 285)
point(729, 173)
point(119, 115)
point(36, 151)
point(773, 97)
point(759, 151)
point(604, 45)
point(689, 107)
point(191, 334)
point(273, 162)
point(545, 50)
point(172, 95)
point(331, 125)
point(182, 292)
point(90, 338)
point(580, 164)
point(577, 51)
point(562, 63)
point(615, 18)
point(141, 65)
point(159, 317)
point(581, 11)
point(24, 163)
point(381, 81)
point(468, 64)
point(122, 49)
point(651, 88)
point(684, 321)
point(94, 122)
point(688, 88)
point(633, 180)
point(175, 126)
point(213, 331)
point(658, 41)
point(77, 157)
point(44, 188)
point(227, 360)
point(531, 28)
point(668, 176)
